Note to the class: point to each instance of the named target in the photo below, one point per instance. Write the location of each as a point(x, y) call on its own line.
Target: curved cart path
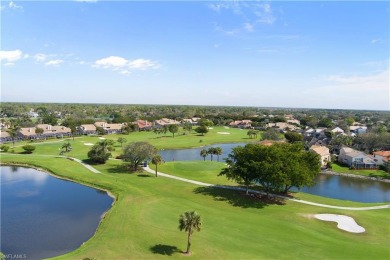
point(254, 191)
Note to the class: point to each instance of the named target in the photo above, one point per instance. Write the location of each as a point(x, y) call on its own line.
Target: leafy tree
point(325, 122)
point(349, 121)
point(202, 130)
point(73, 130)
point(238, 165)
point(293, 137)
point(67, 146)
point(206, 122)
point(165, 129)
point(13, 131)
point(271, 134)
point(39, 131)
point(49, 118)
point(4, 148)
point(190, 222)
point(204, 154)
point(100, 130)
point(121, 140)
point(187, 127)
point(28, 148)
point(101, 151)
point(218, 151)
point(156, 160)
point(173, 129)
point(137, 152)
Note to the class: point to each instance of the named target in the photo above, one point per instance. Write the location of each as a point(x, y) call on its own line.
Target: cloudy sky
point(238, 53)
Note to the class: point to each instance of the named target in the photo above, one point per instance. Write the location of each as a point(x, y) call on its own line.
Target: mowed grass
point(143, 223)
point(370, 173)
point(160, 141)
point(204, 171)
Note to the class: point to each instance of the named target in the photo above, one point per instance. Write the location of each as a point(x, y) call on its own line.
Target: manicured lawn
point(370, 173)
point(204, 171)
point(143, 223)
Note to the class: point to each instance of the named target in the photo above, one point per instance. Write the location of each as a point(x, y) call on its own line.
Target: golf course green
point(143, 221)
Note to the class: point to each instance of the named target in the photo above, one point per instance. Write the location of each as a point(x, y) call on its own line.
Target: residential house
point(323, 151)
point(4, 137)
point(192, 121)
point(165, 122)
point(143, 125)
point(356, 159)
point(53, 131)
point(294, 121)
point(283, 126)
point(27, 133)
point(87, 129)
point(241, 124)
point(381, 157)
point(337, 130)
point(356, 129)
point(109, 128)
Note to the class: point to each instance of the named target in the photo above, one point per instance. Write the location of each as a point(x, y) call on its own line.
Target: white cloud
point(111, 62)
point(54, 62)
point(40, 57)
point(378, 81)
point(373, 41)
point(13, 5)
point(10, 56)
point(125, 66)
point(252, 14)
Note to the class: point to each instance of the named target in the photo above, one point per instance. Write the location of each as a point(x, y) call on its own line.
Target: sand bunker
point(89, 144)
point(343, 222)
point(102, 138)
point(226, 127)
point(210, 128)
point(223, 133)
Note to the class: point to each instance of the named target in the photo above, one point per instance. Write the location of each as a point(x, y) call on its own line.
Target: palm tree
point(218, 151)
point(189, 222)
point(67, 146)
point(204, 153)
point(211, 151)
point(13, 131)
point(39, 131)
point(156, 160)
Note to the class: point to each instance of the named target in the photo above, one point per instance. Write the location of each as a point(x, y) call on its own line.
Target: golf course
point(143, 220)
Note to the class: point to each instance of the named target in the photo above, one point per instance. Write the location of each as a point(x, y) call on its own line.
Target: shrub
point(4, 148)
point(28, 148)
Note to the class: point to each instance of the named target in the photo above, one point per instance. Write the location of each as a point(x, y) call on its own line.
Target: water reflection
point(42, 216)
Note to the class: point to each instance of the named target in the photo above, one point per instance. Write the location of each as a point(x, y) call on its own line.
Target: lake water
point(42, 216)
point(331, 186)
point(193, 154)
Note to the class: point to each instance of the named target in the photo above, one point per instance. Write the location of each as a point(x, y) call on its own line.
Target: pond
point(331, 186)
point(193, 154)
point(42, 216)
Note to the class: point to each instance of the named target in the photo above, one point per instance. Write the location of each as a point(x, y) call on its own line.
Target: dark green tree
point(173, 129)
point(218, 152)
point(293, 137)
point(202, 130)
point(137, 152)
point(271, 134)
point(187, 127)
point(190, 222)
point(157, 160)
point(28, 148)
point(121, 140)
point(101, 151)
point(13, 131)
point(204, 154)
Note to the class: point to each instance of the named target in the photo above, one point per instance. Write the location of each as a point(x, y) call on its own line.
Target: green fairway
point(143, 223)
point(204, 171)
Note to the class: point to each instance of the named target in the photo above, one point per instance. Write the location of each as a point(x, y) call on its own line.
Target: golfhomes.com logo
point(13, 256)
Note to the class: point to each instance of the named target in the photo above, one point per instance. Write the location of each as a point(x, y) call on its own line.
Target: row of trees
point(211, 151)
point(277, 168)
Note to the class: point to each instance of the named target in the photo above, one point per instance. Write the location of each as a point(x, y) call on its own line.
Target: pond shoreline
point(329, 172)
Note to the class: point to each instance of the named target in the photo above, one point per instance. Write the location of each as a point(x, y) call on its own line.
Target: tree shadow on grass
point(164, 249)
point(144, 175)
point(233, 197)
point(120, 168)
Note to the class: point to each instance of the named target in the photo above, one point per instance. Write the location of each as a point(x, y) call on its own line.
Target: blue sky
point(236, 53)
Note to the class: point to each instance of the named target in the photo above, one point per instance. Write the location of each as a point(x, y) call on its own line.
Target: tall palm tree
point(218, 151)
point(13, 131)
point(211, 151)
point(190, 221)
point(156, 160)
point(204, 154)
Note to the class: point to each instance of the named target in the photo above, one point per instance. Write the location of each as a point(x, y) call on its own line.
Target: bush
point(28, 148)
point(4, 148)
